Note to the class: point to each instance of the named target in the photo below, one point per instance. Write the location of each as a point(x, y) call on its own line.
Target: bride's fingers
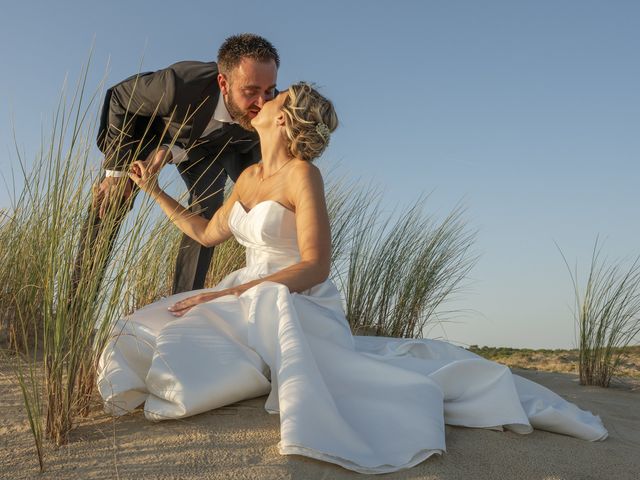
point(184, 305)
point(138, 167)
point(188, 303)
point(175, 308)
point(138, 171)
point(178, 309)
point(179, 313)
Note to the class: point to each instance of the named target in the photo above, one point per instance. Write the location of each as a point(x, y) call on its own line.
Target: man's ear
point(223, 83)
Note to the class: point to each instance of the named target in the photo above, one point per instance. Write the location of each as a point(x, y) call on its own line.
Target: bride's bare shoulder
point(305, 183)
point(303, 171)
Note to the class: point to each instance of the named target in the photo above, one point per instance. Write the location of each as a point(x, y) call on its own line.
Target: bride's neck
point(274, 155)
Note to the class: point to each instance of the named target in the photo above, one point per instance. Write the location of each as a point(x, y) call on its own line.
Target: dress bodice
point(268, 231)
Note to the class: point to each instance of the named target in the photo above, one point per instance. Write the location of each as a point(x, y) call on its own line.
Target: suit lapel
point(203, 113)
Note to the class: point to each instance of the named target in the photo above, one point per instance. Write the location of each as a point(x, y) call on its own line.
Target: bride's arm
point(206, 232)
point(314, 241)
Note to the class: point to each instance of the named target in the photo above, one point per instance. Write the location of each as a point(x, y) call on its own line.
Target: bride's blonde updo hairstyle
point(309, 121)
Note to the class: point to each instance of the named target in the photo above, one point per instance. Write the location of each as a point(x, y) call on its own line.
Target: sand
point(240, 442)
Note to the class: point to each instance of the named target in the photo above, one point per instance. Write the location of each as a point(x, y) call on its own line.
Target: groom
point(195, 115)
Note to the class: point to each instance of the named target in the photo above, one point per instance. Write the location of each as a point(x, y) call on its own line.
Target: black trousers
point(205, 180)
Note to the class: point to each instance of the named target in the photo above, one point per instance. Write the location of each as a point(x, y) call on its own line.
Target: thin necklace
point(280, 168)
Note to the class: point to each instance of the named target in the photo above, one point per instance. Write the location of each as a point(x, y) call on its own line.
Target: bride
point(277, 327)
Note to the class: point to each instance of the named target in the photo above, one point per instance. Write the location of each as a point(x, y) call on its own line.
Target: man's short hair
point(237, 47)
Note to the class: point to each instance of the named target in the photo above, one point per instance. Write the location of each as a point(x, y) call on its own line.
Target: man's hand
point(158, 159)
point(109, 190)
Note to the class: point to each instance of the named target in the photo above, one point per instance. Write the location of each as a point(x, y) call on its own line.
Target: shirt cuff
point(114, 173)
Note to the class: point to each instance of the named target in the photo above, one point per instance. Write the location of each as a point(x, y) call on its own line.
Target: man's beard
point(240, 116)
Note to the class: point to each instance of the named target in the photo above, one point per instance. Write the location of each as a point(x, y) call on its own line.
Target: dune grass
point(55, 324)
point(607, 316)
point(396, 268)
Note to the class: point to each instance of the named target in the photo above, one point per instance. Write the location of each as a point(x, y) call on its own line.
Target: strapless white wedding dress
point(370, 404)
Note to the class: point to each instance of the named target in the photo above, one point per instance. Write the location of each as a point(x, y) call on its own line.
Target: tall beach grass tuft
point(394, 270)
point(57, 307)
point(607, 316)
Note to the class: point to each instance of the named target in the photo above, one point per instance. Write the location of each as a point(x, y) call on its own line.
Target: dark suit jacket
point(174, 104)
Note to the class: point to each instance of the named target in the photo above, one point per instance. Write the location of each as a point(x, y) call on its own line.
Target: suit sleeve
point(132, 107)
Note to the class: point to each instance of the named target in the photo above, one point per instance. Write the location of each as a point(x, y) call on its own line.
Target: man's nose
point(262, 99)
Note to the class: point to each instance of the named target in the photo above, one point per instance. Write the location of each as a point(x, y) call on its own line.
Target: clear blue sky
point(527, 111)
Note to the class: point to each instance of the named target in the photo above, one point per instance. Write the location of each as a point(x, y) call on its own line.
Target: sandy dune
point(240, 442)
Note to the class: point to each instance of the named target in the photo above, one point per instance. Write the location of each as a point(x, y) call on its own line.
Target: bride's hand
point(144, 178)
point(182, 307)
